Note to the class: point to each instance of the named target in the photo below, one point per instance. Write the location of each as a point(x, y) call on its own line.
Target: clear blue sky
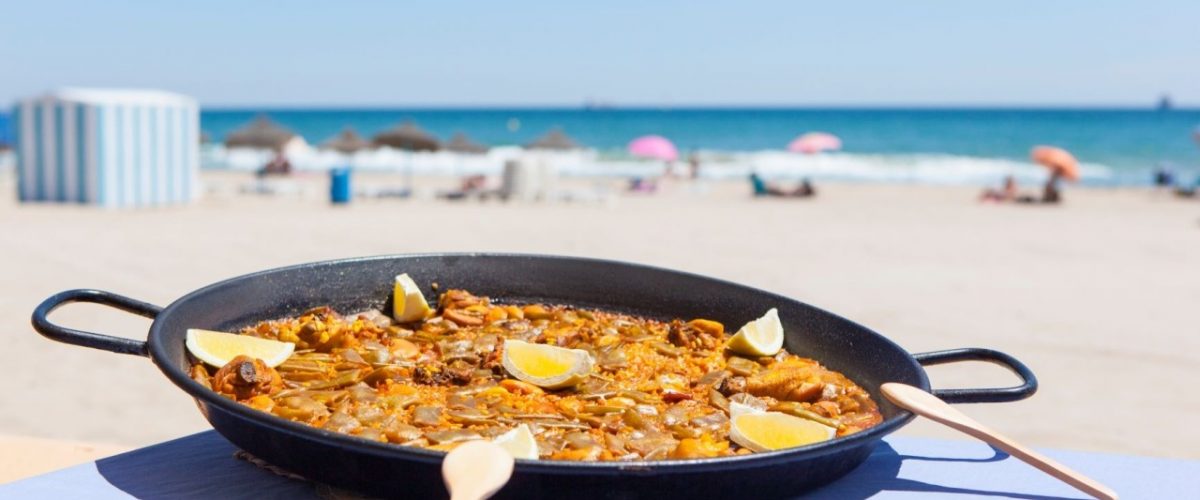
point(625, 52)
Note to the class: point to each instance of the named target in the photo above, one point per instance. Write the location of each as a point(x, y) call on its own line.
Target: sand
point(24, 456)
point(1099, 296)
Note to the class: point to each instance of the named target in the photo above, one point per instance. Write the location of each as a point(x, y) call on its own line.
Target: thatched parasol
point(262, 133)
point(554, 139)
point(460, 143)
point(406, 136)
point(348, 141)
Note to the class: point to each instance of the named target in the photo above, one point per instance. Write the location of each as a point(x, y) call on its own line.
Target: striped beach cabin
point(112, 148)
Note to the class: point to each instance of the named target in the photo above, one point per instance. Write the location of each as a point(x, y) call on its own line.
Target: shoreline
point(716, 165)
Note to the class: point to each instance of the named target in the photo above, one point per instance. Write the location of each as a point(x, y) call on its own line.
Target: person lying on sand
point(279, 165)
point(1050, 193)
point(763, 188)
point(1006, 193)
point(472, 185)
point(1189, 192)
point(643, 185)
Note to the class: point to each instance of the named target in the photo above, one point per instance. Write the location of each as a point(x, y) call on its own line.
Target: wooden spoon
point(929, 406)
point(476, 470)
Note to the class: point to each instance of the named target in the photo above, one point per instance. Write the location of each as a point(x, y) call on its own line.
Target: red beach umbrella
point(1057, 160)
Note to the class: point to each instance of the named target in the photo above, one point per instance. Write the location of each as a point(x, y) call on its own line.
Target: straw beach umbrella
point(460, 143)
point(815, 142)
point(653, 146)
point(347, 142)
point(556, 140)
point(1057, 160)
point(262, 133)
point(407, 136)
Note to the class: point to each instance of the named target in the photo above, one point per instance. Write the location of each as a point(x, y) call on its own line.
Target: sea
point(927, 145)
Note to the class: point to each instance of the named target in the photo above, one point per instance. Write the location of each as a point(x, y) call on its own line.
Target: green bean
point(639, 396)
point(303, 365)
point(795, 409)
point(544, 416)
point(343, 379)
point(602, 409)
point(666, 349)
point(598, 395)
point(562, 424)
point(469, 416)
point(310, 355)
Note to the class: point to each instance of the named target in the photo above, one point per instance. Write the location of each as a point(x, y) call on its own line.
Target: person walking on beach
point(693, 166)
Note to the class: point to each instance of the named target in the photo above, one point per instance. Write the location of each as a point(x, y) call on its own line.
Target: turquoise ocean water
point(1121, 145)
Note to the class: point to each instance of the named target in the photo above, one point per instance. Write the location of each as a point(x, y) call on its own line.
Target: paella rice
point(652, 390)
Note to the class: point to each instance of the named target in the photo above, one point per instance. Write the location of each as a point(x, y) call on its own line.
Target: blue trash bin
point(339, 185)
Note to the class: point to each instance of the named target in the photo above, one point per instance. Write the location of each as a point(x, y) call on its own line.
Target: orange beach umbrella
point(1057, 160)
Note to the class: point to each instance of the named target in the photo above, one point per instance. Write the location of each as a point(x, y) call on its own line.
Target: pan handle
point(42, 323)
point(1029, 383)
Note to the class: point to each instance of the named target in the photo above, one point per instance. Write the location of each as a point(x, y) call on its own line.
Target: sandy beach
point(1098, 296)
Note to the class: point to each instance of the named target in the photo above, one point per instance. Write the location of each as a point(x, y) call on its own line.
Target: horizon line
point(695, 106)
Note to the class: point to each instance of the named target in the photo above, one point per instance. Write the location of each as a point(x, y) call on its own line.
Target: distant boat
point(597, 105)
point(1164, 103)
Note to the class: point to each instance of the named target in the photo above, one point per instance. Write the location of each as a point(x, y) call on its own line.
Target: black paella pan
point(351, 285)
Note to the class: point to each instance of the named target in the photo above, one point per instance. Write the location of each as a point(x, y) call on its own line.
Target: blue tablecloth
point(203, 466)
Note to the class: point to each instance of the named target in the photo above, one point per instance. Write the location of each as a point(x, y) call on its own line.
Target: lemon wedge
point(761, 337)
point(546, 366)
point(408, 303)
point(771, 430)
point(219, 348)
point(518, 442)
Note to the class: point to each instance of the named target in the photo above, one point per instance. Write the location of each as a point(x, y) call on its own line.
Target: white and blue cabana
point(113, 148)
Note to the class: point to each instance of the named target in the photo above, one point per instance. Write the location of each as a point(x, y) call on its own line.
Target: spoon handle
point(475, 470)
point(929, 406)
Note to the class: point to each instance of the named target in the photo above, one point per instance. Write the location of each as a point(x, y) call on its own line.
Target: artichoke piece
point(427, 415)
point(300, 408)
point(469, 416)
point(453, 436)
point(742, 366)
